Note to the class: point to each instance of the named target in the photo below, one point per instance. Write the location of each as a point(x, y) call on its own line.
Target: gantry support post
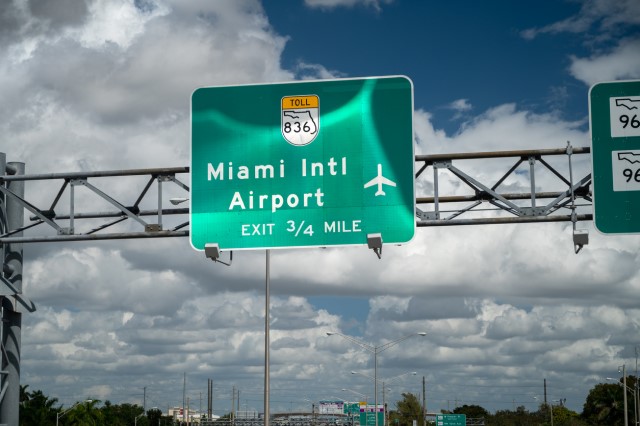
point(12, 217)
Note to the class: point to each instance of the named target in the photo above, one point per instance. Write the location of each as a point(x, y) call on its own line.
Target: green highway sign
point(368, 414)
point(451, 420)
point(302, 164)
point(351, 408)
point(614, 115)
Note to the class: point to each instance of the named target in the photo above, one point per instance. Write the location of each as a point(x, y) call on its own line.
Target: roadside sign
point(451, 420)
point(352, 407)
point(369, 412)
point(614, 117)
point(302, 164)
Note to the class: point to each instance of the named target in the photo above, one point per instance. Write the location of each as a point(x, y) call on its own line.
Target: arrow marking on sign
point(379, 180)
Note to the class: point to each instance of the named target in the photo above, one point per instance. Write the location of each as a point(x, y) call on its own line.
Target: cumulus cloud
point(329, 4)
point(622, 63)
point(608, 15)
point(602, 21)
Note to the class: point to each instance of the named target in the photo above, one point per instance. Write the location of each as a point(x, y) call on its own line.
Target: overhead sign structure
point(302, 164)
point(614, 116)
point(451, 420)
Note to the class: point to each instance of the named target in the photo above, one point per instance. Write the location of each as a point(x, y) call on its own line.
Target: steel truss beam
point(573, 202)
point(62, 221)
point(467, 209)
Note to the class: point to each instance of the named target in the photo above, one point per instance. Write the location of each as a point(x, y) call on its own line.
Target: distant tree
point(85, 414)
point(562, 416)
point(121, 415)
point(520, 417)
point(408, 409)
point(154, 415)
point(604, 405)
point(36, 409)
point(472, 411)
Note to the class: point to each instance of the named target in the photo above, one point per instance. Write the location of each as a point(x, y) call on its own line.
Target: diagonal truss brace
point(64, 225)
point(507, 207)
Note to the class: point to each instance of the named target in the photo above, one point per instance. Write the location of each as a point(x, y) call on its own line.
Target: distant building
point(193, 416)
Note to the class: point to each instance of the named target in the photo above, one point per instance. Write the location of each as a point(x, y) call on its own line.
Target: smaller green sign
point(614, 116)
point(368, 418)
point(351, 408)
point(451, 420)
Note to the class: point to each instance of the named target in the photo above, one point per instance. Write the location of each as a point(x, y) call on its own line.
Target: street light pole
point(625, 390)
point(361, 395)
point(375, 350)
point(624, 383)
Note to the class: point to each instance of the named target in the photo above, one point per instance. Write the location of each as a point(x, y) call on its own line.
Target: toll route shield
point(300, 119)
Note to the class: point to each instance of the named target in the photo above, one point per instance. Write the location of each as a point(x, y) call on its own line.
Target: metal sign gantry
point(58, 221)
point(118, 204)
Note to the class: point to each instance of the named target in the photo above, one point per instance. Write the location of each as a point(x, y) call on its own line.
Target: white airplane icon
point(379, 180)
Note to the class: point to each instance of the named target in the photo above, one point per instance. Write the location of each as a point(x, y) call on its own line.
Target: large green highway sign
point(310, 163)
point(615, 152)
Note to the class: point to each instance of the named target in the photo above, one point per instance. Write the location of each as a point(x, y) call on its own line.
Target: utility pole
point(233, 404)
point(624, 391)
point(184, 399)
point(635, 393)
point(209, 399)
point(424, 401)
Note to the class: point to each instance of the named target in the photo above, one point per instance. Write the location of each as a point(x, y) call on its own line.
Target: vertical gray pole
point(209, 399)
point(266, 339)
point(233, 405)
point(11, 318)
point(424, 400)
point(375, 384)
point(4, 381)
point(637, 396)
point(624, 390)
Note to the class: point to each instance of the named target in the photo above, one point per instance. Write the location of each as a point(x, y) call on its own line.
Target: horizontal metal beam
point(503, 220)
point(94, 237)
point(431, 158)
point(481, 197)
point(117, 213)
point(107, 173)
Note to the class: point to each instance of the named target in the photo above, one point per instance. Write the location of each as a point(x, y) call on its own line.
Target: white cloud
point(460, 105)
point(603, 21)
point(116, 22)
point(607, 13)
point(622, 63)
point(328, 4)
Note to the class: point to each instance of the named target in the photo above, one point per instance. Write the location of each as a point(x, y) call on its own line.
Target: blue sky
point(106, 84)
point(451, 51)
